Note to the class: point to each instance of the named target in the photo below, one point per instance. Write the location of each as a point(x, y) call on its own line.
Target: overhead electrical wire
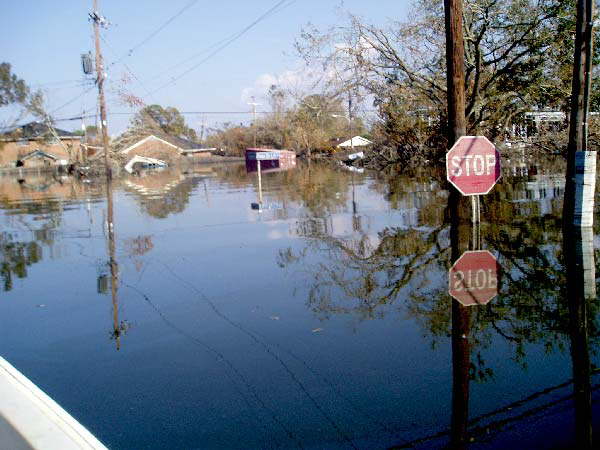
point(227, 43)
point(55, 83)
point(158, 30)
point(74, 99)
point(131, 72)
point(216, 44)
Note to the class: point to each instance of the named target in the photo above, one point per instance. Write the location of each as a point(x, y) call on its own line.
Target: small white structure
point(145, 162)
point(356, 141)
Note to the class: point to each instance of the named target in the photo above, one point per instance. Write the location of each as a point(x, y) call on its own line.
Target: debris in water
point(41, 305)
point(317, 330)
point(274, 317)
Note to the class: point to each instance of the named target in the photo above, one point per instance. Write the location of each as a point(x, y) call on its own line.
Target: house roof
point(357, 141)
point(173, 141)
point(38, 153)
point(35, 130)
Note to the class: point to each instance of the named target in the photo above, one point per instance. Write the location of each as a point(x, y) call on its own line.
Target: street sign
point(473, 165)
point(473, 279)
point(261, 156)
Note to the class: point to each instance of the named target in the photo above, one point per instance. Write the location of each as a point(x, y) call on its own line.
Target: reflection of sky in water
point(250, 329)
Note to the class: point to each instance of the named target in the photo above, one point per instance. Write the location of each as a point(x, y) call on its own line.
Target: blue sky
point(43, 41)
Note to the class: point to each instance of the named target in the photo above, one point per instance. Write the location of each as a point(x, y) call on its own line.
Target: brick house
point(165, 148)
point(34, 145)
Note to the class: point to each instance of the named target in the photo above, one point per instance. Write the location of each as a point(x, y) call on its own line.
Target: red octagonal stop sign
point(473, 165)
point(474, 278)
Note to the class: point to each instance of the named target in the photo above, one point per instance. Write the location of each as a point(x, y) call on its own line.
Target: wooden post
point(455, 77)
point(576, 141)
point(100, 81)
point(457, 127)
point(581, 167)
point(589, 57)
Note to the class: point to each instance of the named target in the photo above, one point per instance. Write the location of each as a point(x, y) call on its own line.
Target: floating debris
point(317, 330)
point(274, 317)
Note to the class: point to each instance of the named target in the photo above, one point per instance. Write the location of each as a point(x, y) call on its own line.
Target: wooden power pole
point(461, 315)
point(97, 19)
point(455, 63)
point(581, 162)
point(578, 88)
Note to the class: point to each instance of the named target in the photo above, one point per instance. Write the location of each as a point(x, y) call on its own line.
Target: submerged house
point(35, 145)
point(165, 148)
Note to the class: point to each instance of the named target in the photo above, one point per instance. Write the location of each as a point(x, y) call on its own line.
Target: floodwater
point(320, 320)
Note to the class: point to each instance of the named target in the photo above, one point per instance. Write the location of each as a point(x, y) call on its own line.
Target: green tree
point(517, 53)
point(15, 93)
point(168, 120)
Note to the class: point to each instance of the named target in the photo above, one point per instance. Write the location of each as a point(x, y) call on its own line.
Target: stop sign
point(473, 279)
point(473, 165)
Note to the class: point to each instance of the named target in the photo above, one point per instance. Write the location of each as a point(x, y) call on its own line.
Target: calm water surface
point(321, 321)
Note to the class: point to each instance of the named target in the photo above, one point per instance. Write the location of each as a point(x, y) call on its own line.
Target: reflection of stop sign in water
point(474, 278)
point(473, 165)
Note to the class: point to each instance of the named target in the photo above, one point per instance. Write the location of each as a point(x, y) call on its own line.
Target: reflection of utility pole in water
point(112, 262)
point(578, 248)
point(356, 225)
point(461, 327)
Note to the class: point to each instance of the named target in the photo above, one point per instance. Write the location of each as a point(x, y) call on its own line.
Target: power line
point(158, 30)
point(54, 83)
point(210, 47)
point(72, 100)
point(126, 66)
point(195, 55)
point(227, 43)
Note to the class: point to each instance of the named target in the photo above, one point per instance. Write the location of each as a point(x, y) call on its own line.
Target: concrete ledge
point(29, 419)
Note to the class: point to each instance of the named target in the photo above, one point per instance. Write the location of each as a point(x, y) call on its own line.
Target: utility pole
point(202, 126)
point(581, 163)
point(254, 105)
point(578, 88)
point(455, 63)
point(97, 19)
point(461, 315)
point(589, 57)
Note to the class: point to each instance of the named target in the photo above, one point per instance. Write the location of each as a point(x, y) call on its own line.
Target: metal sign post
point(259, 185)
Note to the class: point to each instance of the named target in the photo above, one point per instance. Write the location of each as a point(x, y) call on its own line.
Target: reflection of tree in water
point(173, 201)
point(137, 247)
point(16, 256)
point(361, 278)
point(318, 188)
point(405, 270)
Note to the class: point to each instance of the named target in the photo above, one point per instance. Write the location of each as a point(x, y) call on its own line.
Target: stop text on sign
point(472, 165)
point(473, 279)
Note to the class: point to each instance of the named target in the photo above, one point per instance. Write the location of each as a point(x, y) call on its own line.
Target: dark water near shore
point(322, 321)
